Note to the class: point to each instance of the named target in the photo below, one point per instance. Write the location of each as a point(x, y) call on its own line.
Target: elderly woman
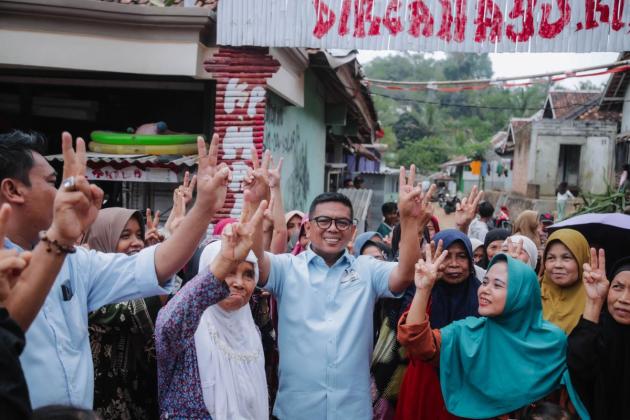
point(210, 358)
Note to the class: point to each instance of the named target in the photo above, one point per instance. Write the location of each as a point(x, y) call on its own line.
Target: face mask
point(293, 240)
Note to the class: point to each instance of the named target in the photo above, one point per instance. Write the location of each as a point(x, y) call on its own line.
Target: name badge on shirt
point(349, 275)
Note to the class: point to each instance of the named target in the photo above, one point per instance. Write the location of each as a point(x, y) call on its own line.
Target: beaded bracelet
point(58, 248)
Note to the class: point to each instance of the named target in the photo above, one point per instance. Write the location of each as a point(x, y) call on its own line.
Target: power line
point(499, 81)
point(451, 104)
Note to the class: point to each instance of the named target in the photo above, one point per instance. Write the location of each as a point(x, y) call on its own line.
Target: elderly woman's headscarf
point(228, 349)
point(564, 305)
point(104, 233)
point(528, 246)
point(477, 354)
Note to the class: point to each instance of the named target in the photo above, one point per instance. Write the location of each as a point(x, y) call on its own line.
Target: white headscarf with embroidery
point(230, 357)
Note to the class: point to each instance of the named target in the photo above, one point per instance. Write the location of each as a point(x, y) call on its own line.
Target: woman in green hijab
point(501, 362)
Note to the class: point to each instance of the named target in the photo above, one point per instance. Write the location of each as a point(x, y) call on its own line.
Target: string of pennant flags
point(453, 86)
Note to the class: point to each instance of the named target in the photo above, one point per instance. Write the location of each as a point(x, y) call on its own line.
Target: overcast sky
point(505, 65)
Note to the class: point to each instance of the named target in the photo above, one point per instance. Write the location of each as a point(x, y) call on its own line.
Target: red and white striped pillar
point(240, 104)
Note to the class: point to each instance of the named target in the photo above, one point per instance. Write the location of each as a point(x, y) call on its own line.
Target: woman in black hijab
point(598, 353)
point(492, 244)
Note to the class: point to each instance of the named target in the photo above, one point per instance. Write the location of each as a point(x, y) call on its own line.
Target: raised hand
point(427, 269)
point(237, 239)
point(466, 211)
point(187, 188)
point(513, 249)
point(178, 212)
point(76, 202)
point(256, 183)
point(11, 263)
point(594, 276)
point(412, 203)
point(273, 175)
point(212, 178)
point(151, 235)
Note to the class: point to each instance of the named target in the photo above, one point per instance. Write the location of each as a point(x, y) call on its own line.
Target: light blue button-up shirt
point(57, 360)
point(325, 333)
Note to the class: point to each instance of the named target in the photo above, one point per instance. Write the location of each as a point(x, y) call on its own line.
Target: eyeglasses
point(324, 222)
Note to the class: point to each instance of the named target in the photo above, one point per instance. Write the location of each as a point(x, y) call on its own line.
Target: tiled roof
point(571, 104)
point(210, 4)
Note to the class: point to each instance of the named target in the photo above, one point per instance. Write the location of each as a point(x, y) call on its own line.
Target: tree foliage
point(430, 126)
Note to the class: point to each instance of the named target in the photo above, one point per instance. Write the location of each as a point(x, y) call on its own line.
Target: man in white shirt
point(479, 227)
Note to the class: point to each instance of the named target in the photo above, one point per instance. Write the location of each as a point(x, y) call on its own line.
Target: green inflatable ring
point(127, 139)
point(143, 149)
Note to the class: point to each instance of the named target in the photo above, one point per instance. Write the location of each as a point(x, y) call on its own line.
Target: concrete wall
point(596, 156)
point(299, 136)
point(520, 172)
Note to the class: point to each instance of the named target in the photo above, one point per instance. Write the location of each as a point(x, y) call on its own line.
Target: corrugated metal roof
point(361, 200)
point(457, 161)
point(148, 160)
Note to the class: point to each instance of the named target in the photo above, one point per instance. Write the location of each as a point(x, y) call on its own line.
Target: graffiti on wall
point(286, 142)
point(298, 185)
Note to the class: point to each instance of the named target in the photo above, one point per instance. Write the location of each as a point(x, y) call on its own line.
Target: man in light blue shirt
point(326, 301)
point(57, 360)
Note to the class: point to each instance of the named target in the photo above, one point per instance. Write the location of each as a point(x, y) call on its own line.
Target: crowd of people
point(292, 315)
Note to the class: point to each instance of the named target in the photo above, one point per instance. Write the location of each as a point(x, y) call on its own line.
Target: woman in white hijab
point(522, 248)
point(210, 358)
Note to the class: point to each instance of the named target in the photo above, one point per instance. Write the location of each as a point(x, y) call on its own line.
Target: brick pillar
point(240, 105)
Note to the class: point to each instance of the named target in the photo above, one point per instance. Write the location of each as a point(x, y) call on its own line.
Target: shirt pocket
point(75, 315)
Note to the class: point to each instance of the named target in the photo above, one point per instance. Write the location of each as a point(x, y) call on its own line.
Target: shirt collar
point(10, 245)
point(346, 257)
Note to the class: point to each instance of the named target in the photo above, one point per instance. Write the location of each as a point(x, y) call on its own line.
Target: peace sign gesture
point(237, 238)
point(594, 276)
point(256, 183)
point(187, 188)
point(427, 269)
point(412, 203)
point(273, 175)
point(212, 178)
point(152, 235)
point(467, 210)
point(513, 249)
point(76, 202)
